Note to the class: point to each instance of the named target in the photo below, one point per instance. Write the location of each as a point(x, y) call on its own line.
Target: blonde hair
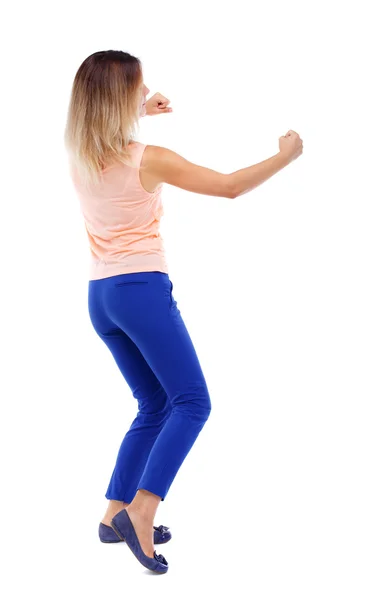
point(104, 111)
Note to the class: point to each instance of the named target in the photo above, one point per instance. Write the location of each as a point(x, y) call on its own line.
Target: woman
point(131, 305)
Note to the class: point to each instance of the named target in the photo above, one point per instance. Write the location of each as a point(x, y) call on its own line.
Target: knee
point(195, 401)
point(205, 404)
point(155, 408)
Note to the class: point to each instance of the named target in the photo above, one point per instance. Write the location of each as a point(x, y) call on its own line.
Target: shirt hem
point(105, 271)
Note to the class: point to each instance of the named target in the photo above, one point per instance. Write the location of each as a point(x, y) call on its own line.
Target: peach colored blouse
point(122, 221)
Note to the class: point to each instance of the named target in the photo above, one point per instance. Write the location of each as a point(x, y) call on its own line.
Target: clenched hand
point(157, 104)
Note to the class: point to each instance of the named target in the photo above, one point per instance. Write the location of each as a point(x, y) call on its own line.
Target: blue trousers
point(137, 318)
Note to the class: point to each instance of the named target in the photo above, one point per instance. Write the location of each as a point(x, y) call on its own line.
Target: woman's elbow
point(229, 188)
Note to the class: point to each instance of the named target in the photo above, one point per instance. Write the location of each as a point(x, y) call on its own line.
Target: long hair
point(104, 111)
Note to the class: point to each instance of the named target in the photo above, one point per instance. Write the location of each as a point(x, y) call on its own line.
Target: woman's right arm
point(162, 165)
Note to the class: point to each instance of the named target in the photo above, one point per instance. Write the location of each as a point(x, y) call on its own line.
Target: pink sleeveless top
point(122, 221)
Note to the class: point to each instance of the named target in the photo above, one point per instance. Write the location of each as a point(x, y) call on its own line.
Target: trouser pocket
point(172, 299)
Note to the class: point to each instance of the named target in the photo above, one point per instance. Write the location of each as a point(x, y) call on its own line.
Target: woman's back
point(122, 220)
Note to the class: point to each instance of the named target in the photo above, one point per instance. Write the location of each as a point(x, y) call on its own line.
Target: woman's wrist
point(284, 157)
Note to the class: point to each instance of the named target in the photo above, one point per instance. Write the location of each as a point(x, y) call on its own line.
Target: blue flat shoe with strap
point(122, 525)
point(107, 534)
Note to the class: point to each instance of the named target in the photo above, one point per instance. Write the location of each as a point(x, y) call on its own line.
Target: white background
point(275, 499)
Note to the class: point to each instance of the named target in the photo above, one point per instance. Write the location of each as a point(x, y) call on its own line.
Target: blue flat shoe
point(122, 525)
point(107, 534)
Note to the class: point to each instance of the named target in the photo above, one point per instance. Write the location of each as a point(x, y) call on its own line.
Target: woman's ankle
point(114, 507)
point(144, 504)
point(116, 503)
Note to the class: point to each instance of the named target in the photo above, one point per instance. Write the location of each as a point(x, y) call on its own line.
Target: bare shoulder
point(149, 167)
point(154, 155)
point(157, 163)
